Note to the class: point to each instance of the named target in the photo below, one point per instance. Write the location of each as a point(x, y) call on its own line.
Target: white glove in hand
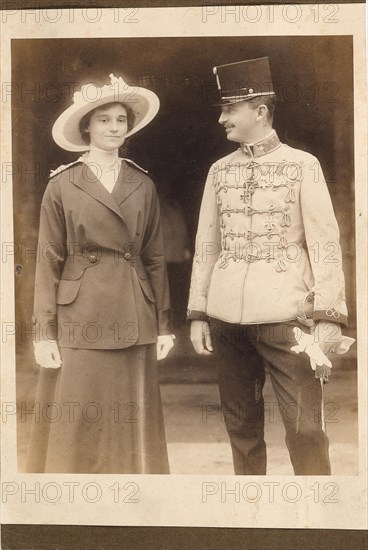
point(164, 345)
point(47, 354)
point(318, 360)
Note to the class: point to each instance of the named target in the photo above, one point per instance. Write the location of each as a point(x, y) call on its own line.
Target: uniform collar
point(263, 146)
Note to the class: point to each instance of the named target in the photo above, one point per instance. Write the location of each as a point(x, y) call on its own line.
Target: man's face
point(239, 121)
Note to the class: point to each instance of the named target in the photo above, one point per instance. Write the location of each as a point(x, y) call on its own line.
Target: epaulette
point(136, 165)
point(63, 167)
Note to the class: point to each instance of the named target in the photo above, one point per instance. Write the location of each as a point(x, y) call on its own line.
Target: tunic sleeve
point(322, 238)
point(207, 249)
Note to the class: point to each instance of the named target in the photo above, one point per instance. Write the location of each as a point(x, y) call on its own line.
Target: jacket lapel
point(128, 181)
point(86, 180)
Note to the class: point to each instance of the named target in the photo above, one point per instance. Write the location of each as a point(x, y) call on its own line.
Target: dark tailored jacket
point(101, 280)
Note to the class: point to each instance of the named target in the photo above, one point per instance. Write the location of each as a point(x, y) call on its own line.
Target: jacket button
point(127, 256)
point(92, 259)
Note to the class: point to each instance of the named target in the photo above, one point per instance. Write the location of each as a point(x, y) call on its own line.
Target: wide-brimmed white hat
point(144, 104)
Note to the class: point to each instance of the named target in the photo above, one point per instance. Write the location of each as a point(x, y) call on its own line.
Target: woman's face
point(108, 127)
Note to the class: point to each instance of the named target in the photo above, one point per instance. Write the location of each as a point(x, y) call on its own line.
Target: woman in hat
point(101, 313)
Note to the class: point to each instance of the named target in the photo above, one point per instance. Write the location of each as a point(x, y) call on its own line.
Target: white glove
point(164, 345)
point(47, 354)
point(306, 343)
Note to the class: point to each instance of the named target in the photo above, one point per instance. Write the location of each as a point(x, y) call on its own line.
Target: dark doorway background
point(313, 77)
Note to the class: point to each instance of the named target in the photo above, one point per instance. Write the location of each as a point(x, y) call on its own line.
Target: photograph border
point(46, 534)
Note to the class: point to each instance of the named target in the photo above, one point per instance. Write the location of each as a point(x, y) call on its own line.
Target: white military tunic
point(267, 247)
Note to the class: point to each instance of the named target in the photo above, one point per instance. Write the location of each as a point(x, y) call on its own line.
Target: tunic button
point(127, 256)
point(92, 259)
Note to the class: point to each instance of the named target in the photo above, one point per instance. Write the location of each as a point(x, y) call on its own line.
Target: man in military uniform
point(267, 261)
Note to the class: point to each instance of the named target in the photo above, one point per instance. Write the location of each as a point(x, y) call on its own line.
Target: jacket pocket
point(68, 291)
point(146, 287)
point(75, 266)
point(137, 265)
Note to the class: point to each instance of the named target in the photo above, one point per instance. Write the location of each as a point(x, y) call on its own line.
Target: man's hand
point(328, 335)
point(201, 337)
point(165, 343)
point(47, 354)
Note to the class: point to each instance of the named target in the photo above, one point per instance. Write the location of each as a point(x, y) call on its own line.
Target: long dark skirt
point(100, 413)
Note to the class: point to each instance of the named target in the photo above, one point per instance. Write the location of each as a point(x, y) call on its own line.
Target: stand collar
point(263, 146)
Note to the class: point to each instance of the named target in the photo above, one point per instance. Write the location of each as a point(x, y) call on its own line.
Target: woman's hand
point(200, 336)
point(47, 354)
point(164, 344)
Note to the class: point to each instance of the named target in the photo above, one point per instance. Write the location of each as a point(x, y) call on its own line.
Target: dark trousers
point(243, 352)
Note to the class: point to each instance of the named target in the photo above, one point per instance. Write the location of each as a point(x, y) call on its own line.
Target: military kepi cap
point(243, 80)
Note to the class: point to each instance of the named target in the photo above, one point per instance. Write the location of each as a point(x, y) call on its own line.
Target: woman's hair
point(84, 123)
